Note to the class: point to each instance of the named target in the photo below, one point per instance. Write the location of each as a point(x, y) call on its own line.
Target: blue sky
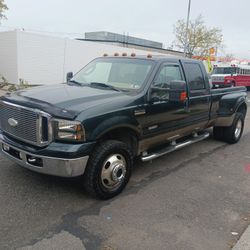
point(147, 19)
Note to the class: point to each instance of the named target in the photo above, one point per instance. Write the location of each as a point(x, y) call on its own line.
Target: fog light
point(35, 161)
point(31, 159)
point(6, 148)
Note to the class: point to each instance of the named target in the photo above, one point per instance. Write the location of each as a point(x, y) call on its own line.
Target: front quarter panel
point(116, 114)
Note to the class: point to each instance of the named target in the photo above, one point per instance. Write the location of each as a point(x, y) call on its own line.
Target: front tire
point(108, 170)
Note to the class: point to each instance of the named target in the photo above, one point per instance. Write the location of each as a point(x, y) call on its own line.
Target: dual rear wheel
point(233, 133)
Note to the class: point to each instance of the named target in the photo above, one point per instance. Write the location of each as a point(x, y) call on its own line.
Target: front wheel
point(109, 169)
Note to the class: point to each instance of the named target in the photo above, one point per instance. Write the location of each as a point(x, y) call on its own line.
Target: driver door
point(164, 117)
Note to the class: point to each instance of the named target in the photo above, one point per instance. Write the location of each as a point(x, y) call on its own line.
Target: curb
point(244, 241)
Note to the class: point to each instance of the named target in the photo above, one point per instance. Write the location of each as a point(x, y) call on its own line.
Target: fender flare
point(228, 106)
point(117, 122)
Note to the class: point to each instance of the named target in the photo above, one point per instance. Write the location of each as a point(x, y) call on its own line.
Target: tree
point(200, 37)
point(3, 7)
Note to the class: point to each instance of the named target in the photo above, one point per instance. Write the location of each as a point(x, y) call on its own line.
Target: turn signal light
point(183, 96)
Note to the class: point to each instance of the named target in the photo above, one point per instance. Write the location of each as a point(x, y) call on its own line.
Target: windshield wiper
point(73, 81)
point(104, 85)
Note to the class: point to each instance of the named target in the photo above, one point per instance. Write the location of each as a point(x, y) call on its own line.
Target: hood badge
point(12, 122)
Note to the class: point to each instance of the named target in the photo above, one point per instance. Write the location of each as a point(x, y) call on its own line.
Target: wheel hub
point(113, 171)
point(118, 172)
point(238, 129)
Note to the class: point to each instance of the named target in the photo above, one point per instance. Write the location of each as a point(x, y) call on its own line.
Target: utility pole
point(186, 35)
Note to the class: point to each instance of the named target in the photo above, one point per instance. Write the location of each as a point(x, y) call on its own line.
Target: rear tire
point(218, 133)
point(108, 170)
point(233, 133)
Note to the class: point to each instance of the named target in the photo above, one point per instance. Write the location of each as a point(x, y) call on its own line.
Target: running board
point(172, 147)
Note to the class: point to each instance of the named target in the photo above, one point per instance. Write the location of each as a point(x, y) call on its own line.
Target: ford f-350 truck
point(115, 109)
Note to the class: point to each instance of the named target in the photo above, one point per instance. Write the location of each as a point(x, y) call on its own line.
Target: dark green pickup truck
point(113, 110)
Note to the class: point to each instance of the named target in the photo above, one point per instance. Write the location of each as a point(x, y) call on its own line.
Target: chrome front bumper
point(43, 164)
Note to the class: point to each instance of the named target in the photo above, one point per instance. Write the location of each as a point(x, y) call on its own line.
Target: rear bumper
point(50, 165)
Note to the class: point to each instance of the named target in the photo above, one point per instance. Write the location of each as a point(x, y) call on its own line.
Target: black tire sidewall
point(227, 134)
point(231, 130)
point(100, 154)
point(125, 154)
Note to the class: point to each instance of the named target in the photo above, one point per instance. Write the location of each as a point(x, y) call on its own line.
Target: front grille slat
point(28, 123)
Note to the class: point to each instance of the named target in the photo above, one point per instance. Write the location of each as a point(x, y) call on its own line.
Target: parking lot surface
point(194, 198)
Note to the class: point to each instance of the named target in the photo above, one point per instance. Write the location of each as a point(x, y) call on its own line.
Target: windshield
point(121, 73)
point(224, 70)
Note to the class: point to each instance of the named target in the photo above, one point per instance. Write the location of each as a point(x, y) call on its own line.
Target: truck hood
point(63, 100)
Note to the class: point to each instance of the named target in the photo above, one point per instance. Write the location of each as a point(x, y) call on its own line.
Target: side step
point(172, 147)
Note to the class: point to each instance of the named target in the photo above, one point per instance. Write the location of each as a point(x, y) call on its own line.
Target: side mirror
point(69, 76)
point(159, 94)
point(178, 91)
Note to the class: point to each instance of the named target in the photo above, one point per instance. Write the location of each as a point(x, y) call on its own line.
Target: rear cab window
point(196, 78)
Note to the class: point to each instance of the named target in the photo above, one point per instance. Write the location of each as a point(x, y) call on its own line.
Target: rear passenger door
point(199, 93)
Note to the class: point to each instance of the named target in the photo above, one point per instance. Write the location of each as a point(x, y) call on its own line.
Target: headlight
point(65, 130)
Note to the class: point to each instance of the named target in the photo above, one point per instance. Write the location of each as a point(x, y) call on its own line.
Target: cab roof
point(157, 58)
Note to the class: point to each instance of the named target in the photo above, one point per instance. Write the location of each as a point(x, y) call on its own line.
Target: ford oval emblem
point(12, 122)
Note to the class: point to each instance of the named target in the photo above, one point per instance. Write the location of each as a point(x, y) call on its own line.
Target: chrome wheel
point(113, 171)
point(238, 129)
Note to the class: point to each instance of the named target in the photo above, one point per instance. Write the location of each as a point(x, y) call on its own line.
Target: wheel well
point(242, 109)
point(125, 135)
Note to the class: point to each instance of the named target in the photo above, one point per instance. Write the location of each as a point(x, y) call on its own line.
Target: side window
point(162, 81)
point(167, 74)
point(195, 77)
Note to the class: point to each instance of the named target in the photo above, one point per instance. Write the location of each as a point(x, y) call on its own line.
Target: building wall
point(109, 36)
point(43, 59)
point(8, 56)
point(79, 53)
point(148, 49)
point(40, 58)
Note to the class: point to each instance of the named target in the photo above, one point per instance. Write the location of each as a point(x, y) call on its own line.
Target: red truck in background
point(233, 75)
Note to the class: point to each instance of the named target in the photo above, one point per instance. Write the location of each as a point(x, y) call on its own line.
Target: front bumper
point(65, 167)
point(221, 85)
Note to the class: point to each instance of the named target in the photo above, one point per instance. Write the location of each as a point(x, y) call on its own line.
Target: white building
point(43, 59)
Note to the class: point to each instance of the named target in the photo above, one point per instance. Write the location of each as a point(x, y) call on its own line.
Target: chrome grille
point(30, 127)
point(218, 78)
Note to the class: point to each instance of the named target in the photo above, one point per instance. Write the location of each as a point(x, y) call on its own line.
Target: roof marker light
point(133, 54)
point(116, 54)
point(124, 54)
point(105, 54)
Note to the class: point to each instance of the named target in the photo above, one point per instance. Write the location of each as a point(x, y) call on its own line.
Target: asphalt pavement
point(194, 198)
